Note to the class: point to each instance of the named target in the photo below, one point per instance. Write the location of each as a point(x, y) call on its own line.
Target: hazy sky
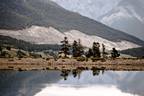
point(90, 8)
point(127, 17)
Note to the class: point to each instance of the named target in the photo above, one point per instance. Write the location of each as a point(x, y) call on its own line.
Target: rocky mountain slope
point(20, 14)
point(51, 36)
point(127, 16)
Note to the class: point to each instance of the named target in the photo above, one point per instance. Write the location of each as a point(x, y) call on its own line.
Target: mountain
point(27, 46)
point(19, 16)
point(127, 16)
point(89, 8)
point(44, 35)
point(136, 52)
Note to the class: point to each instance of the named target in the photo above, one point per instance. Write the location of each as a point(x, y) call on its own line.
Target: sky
point(89, 8)
point(124, 15)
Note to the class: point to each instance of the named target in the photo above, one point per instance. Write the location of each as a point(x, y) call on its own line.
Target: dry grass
point(42, 64)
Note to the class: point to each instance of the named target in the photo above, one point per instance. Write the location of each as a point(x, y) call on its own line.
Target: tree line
point(77, 50)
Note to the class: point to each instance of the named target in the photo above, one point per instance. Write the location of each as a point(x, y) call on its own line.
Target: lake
point(82, 83)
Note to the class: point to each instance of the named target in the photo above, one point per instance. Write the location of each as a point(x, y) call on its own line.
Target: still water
point(85, 83)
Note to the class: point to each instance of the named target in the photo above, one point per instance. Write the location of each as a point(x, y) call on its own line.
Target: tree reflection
point(74, 72)
point(65, 73)
point(96, 71)
point(77, 72)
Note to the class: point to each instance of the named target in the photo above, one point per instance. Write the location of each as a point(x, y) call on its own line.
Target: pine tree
point(65, 46)
point(80, 48)
point(0, 48)
point(103, 51)
point(75, 49)
point(114, 53)
point(96, 50)
point(89, 53)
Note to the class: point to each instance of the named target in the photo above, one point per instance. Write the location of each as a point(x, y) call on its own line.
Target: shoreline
point(28, 64)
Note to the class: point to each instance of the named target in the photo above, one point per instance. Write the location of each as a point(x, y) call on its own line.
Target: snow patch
point(87, 40)
point(118, 14)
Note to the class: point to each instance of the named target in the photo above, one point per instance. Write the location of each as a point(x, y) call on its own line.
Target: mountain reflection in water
point(71, 83)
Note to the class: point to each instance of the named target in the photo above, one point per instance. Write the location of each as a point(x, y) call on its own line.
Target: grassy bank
point(25, 64)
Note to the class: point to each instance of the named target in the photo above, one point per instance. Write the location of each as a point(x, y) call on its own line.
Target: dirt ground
point(26, 64)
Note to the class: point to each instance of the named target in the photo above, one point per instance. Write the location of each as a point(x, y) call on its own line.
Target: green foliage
point(77, 49)
point(136, 52)
point(65, 47)
point(1, 48)
point(35, 55)
point(114, 53)
point(94, 59)
point(96, 50)
point(81, 58)
point(7, 54)
point(22, 54)
point(20, 44)
point(8, 48)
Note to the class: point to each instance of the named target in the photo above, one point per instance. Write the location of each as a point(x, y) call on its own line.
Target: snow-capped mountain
point(127, 16)
point(89, 8)
point(43, 35)
point(54, 22)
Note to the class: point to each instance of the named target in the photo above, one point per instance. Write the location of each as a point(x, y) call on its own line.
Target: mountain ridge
point(25, 13)
point(44, 35)
point(127, 16)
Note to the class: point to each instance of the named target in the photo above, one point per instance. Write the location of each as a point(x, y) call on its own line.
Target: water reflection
point(77, 72)
point(26, 83)
point(96, 82)
point(56, 90)
point(65, 73)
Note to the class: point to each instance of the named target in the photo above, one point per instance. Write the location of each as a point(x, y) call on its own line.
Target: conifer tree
point(96, 50)
point(1, 48)
point(114, 53)
point(65, 46)
point(80, 48)
point(103, 51)
point(89, 53)
point(75, 49)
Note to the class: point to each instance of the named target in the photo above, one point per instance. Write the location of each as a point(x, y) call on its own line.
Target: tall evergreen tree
point(114, 53)
point(89, 53)
point(103, 51)
point(96, 50)
point(80, 48)
point(1, 48)
point(75, 49)
point(65, 46)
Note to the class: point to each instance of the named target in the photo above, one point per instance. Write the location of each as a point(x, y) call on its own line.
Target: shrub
point(81, 58)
